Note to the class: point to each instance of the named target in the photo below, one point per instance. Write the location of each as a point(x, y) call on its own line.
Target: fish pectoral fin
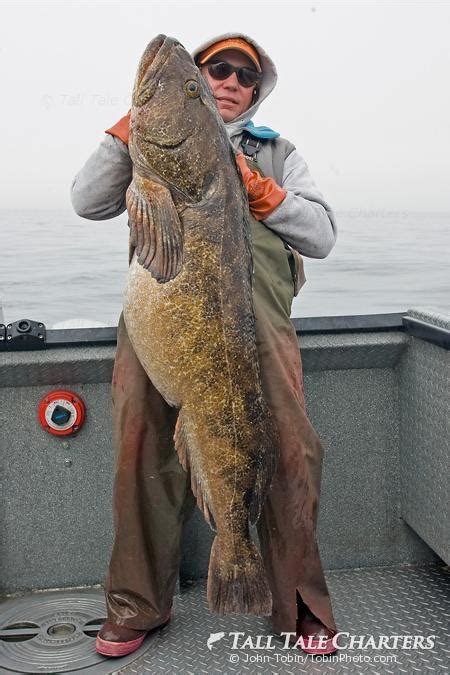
point(156, 232)
point(184, 455)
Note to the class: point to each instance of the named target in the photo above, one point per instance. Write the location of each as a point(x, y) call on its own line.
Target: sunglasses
point(247, 77)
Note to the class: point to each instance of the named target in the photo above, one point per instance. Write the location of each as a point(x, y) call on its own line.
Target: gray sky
point(363, 90)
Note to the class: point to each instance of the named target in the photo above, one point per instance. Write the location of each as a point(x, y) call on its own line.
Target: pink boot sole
point(108, 648)
point(117, 648)
point(328, 648)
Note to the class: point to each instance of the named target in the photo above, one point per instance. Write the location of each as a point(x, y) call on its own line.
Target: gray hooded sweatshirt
point(303, 219)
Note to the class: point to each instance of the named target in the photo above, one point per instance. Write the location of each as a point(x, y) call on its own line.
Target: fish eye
point(192, 89)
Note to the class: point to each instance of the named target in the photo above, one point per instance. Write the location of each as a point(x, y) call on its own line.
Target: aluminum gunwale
point(356, 323)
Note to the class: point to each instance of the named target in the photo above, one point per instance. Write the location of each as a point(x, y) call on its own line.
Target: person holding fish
point(168, 172)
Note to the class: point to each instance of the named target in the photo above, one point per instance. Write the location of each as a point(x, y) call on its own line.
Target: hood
point(268, 81)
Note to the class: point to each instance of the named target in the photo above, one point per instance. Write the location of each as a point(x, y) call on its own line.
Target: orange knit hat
point(230, 43)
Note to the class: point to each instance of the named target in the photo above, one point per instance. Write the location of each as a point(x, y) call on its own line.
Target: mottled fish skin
point(189, 313)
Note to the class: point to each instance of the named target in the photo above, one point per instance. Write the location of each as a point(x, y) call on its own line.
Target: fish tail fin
point(238, 588)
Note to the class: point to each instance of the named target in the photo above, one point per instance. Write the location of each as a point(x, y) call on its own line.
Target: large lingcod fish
point(189, 312)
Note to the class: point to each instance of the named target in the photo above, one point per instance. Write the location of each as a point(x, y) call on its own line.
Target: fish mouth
point(153, 59)
point(152, 62)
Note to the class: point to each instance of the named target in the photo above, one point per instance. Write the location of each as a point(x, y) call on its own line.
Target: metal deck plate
point(54, 632)
point(367, 601)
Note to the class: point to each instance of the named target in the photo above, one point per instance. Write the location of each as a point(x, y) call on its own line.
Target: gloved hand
point(264, 194)
point(121, 128)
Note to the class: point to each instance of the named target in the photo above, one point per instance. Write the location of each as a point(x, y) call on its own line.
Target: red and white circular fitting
point(61, 412)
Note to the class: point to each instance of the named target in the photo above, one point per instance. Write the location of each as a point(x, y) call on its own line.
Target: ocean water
point(56, 267)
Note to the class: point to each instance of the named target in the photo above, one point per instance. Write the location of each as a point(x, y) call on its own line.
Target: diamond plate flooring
point(54, 631)
point(367, 602)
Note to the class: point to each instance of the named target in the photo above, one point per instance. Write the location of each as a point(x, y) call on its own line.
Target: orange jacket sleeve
point(121, 128)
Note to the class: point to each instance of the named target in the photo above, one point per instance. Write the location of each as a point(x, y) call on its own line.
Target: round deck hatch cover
point(54, 632)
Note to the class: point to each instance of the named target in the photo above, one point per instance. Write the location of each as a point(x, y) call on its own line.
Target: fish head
point(176, 132)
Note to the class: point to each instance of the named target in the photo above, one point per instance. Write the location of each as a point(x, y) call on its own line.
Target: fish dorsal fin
point(184, 455)
point(155, 228)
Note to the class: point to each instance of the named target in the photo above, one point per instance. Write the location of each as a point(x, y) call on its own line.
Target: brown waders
point(152, 494)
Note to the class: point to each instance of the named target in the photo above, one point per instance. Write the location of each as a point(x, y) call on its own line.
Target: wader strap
point(250, 146)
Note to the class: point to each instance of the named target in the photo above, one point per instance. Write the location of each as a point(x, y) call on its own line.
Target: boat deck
point(377, 393)
point(375, 601)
